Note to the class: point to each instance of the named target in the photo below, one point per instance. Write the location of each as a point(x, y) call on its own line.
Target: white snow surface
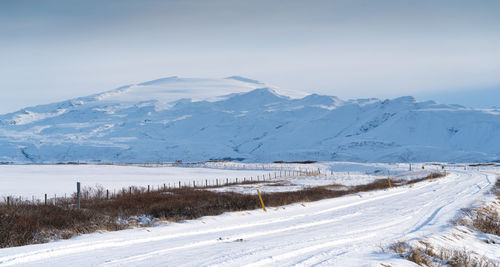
point(194, 119)
point(345, 231)
point(23, 181)
point(34, 181)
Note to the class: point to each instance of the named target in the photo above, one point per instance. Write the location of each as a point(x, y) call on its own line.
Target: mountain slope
point(237, 118)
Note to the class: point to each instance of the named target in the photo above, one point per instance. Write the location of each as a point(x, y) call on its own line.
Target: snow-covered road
point(346, 231)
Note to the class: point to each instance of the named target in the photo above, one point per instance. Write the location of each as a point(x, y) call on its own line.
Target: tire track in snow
point(292, 254)
point(310, 245)
point(427, 221)
point(233, 237)
point(435, 202)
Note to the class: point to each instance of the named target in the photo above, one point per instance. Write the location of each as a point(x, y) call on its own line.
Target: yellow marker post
point(431, 176)
point(261, 201)
point(389, 181)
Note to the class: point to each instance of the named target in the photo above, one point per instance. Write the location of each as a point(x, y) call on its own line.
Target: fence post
point(45, 199)
point(107, 194)
point(148, 188)
point(261, 201)
point(217, 181)
point(8, 201)
point(179, 184)
point(77, 195)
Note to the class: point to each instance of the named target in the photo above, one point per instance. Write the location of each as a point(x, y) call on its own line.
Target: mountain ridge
point(193, 119)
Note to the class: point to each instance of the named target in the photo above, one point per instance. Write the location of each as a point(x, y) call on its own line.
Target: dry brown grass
point(417, 255)
point(28, 223)
point(485, 219)
point(426, 255)
point(464, 258)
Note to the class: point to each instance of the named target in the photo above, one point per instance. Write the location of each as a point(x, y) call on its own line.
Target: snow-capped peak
point(170, 89)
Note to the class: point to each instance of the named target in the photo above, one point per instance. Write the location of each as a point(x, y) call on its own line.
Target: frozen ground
point(325, 173)
point(30, 181)
point(346, 231)
point(33, 181)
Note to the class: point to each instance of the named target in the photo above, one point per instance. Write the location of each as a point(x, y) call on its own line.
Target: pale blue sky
point(447, 50)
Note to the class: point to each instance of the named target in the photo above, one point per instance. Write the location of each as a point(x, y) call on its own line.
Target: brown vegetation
point(29, 223)
point(485, 219)
point(426, 255)
point(298, 162)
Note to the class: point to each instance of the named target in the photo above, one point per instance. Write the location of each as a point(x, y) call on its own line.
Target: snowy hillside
point(241, 119)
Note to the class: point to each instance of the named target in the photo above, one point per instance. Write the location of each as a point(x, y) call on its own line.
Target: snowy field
point(345, 231)
point(28, 181)
point(33, 181)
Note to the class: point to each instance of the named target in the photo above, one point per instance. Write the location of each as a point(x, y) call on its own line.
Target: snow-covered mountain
point(242, 119)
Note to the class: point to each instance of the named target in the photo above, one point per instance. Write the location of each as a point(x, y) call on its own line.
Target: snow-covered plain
point(346, 231)
point(33, 181)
